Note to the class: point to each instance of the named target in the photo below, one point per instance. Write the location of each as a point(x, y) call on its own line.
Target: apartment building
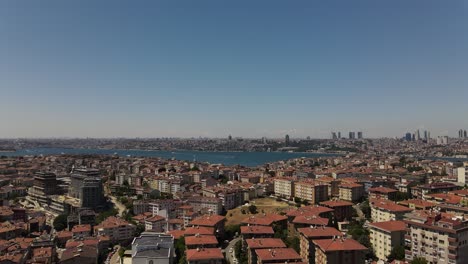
point(116, 229)
point(153, 248)
point(438, 238)
point(351, 191)
point(311, 191)
point(261, 243)
point(266, 220)
point(277, 255)
point(212, 204)
point(383, 210)
point(339, 251)
point(250, 232)
point(343, 210)
point(204, 256)
point(384, 236)
point(308, 234)
point(333, 185)
point(382, 193)
point(156, 224)
point(213, 221)
point(81, 230)
point(200, 241)
point(284, 187)
point(230, 196)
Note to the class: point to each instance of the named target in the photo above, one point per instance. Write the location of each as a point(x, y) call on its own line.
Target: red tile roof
point(155, 218)
point(202, 230)
point(207, 220)
point(338, 244)
point(323, 231)
point(265, 243)
point(81, 228)
point(382, 190)
point(310, 220)
point(417, 203)
point(336, 203)
point(350, 185)
point(204, 254)
point(201, 240)
point(278, 254)
point(176, 233)
point(390, 226)
point(257, 230)
point(389, 206)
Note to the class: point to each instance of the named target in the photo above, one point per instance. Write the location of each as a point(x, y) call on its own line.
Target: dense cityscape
point(233, 132)
point(381, 202)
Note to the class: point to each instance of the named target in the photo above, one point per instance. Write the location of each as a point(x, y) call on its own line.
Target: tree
point(400, 196)
point(241, 254)
point(365, 208)
point(121, 252)
point(180, 250)
point(231, 231)
point(419, 260)
point(397, 253)
point(102, 216)
point(253, 209)
point(60, 222)
point(294, 243)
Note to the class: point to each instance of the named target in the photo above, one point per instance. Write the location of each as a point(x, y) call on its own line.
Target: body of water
point(249, 159)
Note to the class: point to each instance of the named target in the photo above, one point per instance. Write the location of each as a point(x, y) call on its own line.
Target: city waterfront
point(249, 159)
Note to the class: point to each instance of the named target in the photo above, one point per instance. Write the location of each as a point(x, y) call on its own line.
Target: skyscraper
point(286, 140)
point(45, 184)
point(339, 135)
point(359, 135)
point(418, 135)
point(425, 135)
point(86, 185)
point(334, 135)
point(464, 134)
point(460, 133)
point(352, 135)
point(408, 136)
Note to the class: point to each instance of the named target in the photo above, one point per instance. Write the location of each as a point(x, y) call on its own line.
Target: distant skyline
point(247, 68)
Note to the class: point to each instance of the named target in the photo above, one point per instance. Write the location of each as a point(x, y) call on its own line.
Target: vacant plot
point(264, 205)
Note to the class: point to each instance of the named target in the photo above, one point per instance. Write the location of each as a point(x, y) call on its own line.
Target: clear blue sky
point(246, 68)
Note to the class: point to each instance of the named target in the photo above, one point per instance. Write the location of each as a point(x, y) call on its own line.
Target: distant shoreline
point(7, 150)
point(244, 158)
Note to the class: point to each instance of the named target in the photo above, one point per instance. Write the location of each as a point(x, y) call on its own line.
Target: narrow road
point(230, 256)
point(115, 259)
point(118, 205)
point(361, 215)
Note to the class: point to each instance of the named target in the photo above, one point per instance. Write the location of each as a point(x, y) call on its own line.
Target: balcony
point(452, 239)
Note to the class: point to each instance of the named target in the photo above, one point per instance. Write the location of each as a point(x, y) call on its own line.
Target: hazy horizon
point(252, 69)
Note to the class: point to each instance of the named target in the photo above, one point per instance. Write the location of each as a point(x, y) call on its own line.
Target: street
point(229, 255)
point(361, 215)
point(120, 207)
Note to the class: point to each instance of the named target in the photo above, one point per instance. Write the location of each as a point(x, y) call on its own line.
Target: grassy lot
point(264, 205)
